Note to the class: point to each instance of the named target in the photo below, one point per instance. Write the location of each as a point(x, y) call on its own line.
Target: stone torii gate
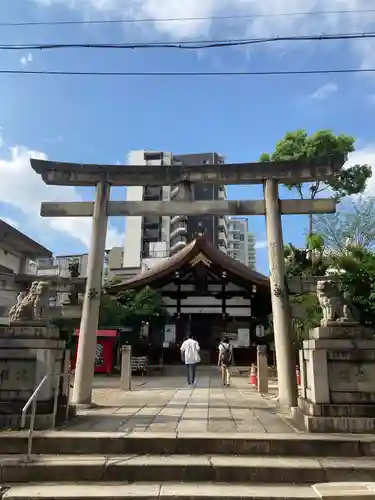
point(270, 174)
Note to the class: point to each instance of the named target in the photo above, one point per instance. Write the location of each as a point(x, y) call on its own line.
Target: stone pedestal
point(262, 363)
point(338, 379)
point(126, 368)
point(27, 354)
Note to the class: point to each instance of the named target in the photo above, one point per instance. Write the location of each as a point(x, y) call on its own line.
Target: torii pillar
point(82, 391)
point(282, 321)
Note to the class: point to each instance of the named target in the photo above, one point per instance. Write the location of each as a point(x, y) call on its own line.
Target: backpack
point(226, 357)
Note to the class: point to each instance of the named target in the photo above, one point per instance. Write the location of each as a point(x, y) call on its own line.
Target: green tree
point(353, 225)
point(356, 271)
point(298, 262)
point(305, 311)
point(66, 327)
point(131, 307)
point(111, 313)
point(299, 145)
point(307, 315)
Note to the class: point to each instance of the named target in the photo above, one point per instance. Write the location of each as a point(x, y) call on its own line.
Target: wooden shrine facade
point(208, 294)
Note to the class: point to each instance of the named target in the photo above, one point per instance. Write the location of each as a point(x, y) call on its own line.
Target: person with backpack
point(225, 360)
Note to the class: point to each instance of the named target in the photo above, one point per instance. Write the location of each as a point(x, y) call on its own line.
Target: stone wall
point(337, 378)
point(27, 354)
point(9, 290)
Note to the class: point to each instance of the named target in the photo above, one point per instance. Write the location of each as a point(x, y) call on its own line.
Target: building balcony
point(180, 229)
point(151, 221)
point(151, 234)
point(222, 194)
point(51, 267)
point(223, 224)
point(152, 193)
point(222, 237)
point(179, 245)
point(46, 263)
point(174, 192)
point(159, 254)
point(177, 218)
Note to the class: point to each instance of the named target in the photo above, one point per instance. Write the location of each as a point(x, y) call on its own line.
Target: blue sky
point(98, 120)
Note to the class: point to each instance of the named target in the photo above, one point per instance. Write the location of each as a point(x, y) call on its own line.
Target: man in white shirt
point(190, 356)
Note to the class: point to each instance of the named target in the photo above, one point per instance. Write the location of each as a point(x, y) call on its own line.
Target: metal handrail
point(33, 402)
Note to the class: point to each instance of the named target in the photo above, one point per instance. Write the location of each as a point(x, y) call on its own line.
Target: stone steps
point(185, 468)
point(192, 491)
point(117, 443)
point(165, 491)
point(79, 465)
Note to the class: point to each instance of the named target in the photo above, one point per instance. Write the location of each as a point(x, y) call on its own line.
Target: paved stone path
point(166, 404)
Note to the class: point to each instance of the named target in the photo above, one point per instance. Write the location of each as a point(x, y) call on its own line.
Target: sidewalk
point(166, 404)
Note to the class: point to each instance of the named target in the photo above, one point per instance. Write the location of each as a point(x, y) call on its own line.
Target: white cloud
point(259, 245)
point(22, 188)
point(256, 26)
point(27, 59)
point(324, 91)
point(365, 156)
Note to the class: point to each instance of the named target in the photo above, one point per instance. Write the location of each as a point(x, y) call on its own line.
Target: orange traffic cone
point(253, 375)
point(298, 375)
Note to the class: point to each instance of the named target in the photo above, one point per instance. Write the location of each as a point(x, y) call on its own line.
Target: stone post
point(286, 372)
point(82, 391)
point(262, 369)
point(126, 368)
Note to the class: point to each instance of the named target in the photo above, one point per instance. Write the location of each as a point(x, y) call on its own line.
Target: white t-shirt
point(223, 346)
point(191, 349)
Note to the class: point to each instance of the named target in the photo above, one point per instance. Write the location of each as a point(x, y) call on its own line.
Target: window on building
point(242, 237)
point(153, 156)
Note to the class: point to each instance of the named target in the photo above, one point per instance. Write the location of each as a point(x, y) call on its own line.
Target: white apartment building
point(148, 239)
point(241, 243)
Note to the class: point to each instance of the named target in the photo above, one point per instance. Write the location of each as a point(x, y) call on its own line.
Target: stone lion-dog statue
point(335, 307)
point(33, 305)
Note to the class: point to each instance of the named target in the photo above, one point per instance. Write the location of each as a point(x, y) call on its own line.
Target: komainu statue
point(33, 305)
point(335, 307)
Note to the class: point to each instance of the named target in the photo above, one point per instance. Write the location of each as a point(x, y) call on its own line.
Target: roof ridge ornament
point(200, 258)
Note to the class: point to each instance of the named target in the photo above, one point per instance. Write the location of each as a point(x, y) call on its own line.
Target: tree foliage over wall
point(345, 250)
point(131, 308)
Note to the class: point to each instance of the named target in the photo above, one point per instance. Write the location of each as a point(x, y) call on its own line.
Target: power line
point(188, 74)
point(189, 45)
point(188, 19)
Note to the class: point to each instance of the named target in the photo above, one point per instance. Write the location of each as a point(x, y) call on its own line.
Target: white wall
point(115, 258)
point(235, 312)
point(11, 260)
point(210, 305)
point(9, 290)
point(133, 231)
point(208, 301)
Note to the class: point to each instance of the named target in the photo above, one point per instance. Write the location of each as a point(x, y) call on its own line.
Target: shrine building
point(209, 294)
